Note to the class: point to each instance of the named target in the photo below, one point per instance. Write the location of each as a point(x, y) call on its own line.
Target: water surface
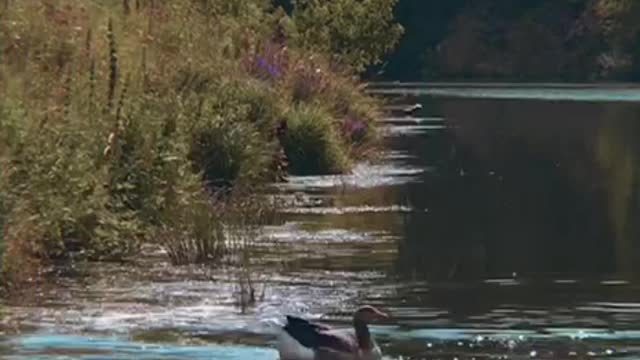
point(499, 224)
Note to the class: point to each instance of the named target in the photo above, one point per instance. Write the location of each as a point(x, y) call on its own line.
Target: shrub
point(54, 182)
point(228, 148)
point(310, 80)
point(312, 142)
point(45, 175)
point(250, 101)
point(359, 115)
point(357, 33)
point(118, 127)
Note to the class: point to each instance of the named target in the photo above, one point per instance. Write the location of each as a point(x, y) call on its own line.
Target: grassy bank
point(124, 122)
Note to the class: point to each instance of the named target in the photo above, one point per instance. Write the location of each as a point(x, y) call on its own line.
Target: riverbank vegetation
point(124, 122)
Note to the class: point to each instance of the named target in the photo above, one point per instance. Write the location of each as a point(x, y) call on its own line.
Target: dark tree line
point(561, 40)
point(517, 40)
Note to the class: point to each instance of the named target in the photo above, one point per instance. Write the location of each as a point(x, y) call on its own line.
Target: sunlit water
point(499, 224)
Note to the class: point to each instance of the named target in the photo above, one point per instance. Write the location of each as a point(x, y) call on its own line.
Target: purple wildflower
point(354, 129)
point(271, 69)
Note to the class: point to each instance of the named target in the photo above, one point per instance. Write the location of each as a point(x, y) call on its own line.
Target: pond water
point(500, 224)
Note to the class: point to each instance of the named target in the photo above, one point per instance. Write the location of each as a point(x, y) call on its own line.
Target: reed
point(191, 126)
point(113, 65)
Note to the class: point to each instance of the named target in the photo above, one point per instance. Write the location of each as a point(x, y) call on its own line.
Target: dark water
point(500, 224)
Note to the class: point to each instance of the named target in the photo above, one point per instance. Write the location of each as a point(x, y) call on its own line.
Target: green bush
point(247, 100)
point(310, 80)
point(228, 148)
point(118, 127)
point(55, 182)
point(313, 144)
point(357, 32)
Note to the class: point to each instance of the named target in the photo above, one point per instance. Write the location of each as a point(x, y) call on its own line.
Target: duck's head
point(368, 314)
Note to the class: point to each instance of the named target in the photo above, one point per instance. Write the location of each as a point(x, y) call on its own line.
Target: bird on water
point(410, 110)
point(301, 339)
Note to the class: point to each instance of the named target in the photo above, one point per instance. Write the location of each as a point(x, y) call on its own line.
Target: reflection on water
point(95, 348)
point(500, 224)
point(528, 187)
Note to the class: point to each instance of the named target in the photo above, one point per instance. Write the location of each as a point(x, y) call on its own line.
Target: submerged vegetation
point(123, 122)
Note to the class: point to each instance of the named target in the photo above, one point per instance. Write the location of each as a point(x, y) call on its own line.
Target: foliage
point(618, 21)
point(310, 80)
point(507, 40)
point(312, 144)
point(356, 32)
point(574, 40)
point(125, 122)
point(228, 148)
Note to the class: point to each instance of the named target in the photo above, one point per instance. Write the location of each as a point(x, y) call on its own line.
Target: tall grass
point(314, 80)
point(124, 122)
point(312, 143)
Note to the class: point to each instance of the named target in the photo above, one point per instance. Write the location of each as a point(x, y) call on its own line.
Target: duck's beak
point(381, 315)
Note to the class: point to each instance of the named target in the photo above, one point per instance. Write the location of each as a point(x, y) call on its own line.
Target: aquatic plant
point(192, 232)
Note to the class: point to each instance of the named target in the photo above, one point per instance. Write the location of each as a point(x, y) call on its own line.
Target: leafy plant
point(228, 149)
point(312, 142)
point(355, 32)
point(123, 123)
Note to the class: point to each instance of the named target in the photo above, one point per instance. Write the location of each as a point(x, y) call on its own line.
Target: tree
point(358, 32)
point(620, 23)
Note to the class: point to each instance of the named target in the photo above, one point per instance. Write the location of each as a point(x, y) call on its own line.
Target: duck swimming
point(304, 340)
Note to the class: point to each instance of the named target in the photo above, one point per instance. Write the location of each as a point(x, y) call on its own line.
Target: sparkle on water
point(391, 234)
